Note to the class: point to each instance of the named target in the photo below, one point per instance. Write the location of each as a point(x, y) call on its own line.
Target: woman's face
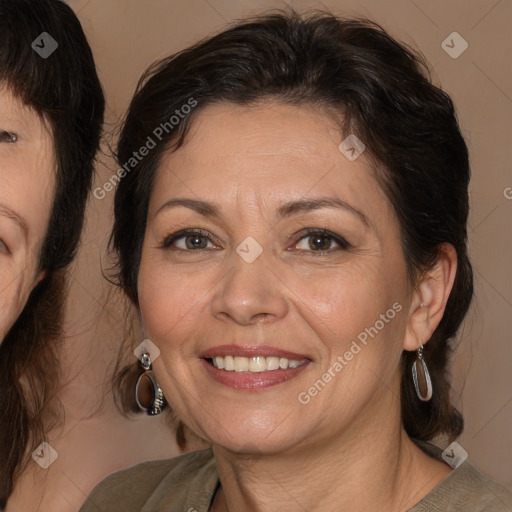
point(27, 170)
point(267, 249)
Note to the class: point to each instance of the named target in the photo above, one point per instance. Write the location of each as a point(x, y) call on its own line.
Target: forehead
point(262, 149)
point(264, 130)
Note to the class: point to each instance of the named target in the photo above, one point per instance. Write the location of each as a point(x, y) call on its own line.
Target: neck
point(372, 465)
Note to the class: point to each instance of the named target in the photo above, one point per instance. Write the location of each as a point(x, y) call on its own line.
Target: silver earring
point(153, 400)
point(421, 377)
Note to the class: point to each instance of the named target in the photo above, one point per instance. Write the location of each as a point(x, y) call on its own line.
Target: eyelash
point(343, 244)
point(169, 240)
point(309, 232)
point(8, 137)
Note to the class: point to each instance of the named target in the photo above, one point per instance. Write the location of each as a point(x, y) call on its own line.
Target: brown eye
point(8, 137)
point(189, 240)
point(320, 242)
point(316, 242)
point(196, 241)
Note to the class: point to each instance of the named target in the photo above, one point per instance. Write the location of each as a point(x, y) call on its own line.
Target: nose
point(249, 294)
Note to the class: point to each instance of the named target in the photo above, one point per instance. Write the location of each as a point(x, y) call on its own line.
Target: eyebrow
point(307, 205)
point(202, 207)
point(5, 211)
point(285, 210)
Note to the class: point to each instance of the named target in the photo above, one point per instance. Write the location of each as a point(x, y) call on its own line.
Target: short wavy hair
point(381, 91)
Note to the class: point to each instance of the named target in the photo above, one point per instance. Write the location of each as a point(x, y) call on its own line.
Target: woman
point(293, 232)
point(51, 114)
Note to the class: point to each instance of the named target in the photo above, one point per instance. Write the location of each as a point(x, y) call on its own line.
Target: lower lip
point(253, 381)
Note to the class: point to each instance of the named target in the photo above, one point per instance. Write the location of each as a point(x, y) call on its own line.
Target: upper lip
point(251, 351)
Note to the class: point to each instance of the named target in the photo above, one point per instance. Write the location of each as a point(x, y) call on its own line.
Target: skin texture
point(27, 181)
point(345, 449)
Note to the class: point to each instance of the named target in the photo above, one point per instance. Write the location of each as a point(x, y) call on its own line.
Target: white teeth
point(229, 363)
point(256, 364)
point(241, 364)
point(272, 363)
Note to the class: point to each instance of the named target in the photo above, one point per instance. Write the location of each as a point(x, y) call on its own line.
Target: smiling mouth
point(256, 364)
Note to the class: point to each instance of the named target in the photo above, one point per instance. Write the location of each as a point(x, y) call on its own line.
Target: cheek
point(169, 303)
point(348, 299)
point(359, 322)
point(357, 314)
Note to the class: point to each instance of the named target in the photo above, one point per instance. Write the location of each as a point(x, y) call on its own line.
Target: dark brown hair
point(65, 91)
point(382, 92)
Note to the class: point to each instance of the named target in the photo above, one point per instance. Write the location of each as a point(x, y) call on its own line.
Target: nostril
point(261, 317)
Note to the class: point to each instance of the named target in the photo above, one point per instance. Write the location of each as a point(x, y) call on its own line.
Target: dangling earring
point(421, 377)
point(153, 400)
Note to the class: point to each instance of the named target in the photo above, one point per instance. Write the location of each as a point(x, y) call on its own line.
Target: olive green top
point(188, 484)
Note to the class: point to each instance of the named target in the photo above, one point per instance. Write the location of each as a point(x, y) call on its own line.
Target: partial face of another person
point(27, 181)
point(267, 249)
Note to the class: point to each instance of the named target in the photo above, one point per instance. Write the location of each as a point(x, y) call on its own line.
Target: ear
point(430, 297)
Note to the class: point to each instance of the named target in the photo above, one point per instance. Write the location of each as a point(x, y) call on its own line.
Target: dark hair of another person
point(378, 90)
point(64, 90)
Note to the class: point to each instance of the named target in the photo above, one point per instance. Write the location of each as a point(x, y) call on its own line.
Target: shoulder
point(466, 489)
point(130, 489)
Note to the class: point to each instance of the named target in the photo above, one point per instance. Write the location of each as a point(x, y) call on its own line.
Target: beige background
point(126, 36)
